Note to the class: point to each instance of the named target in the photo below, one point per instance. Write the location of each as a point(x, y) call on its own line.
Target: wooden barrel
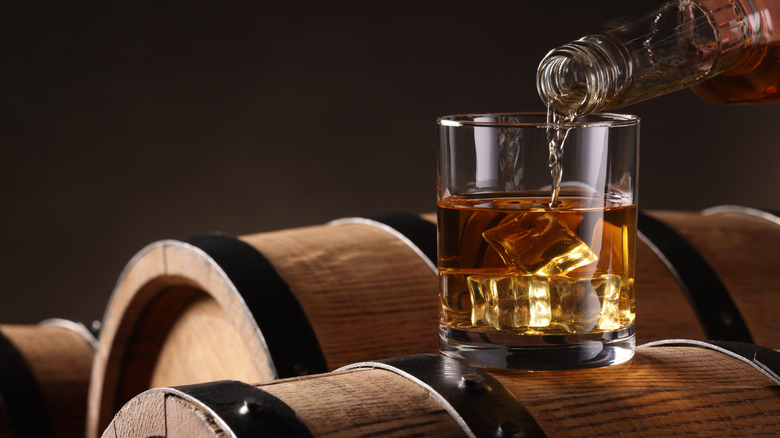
point(265, 306)
point(676, 389)
point(309, 300)
point(44, 378)
point(709, 275)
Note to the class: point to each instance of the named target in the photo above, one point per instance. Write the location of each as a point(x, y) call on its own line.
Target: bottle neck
point(673, 47)
point(583, 77)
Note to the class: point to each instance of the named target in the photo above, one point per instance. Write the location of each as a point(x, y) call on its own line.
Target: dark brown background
point(126, 124)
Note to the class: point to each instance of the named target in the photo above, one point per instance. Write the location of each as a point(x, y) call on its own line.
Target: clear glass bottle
point(728, 51)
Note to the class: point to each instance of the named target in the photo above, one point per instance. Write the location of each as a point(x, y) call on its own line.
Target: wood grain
point(663, 391)
point(366, 293)
point(183, 419)
point(142, 416)
point(361, 403)
point(743, 251)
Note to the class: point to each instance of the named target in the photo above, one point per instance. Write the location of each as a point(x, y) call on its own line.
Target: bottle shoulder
point(769, 13)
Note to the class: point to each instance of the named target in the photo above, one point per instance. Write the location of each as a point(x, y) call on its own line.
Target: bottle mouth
point(583, 77)
point(562, 83)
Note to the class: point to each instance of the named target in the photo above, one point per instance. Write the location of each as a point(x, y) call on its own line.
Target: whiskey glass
point(536, 239)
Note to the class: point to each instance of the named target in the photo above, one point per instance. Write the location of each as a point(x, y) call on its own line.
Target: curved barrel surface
point(677, 389)
point(186, 312)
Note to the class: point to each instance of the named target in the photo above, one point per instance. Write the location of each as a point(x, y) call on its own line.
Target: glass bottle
point(728, 51)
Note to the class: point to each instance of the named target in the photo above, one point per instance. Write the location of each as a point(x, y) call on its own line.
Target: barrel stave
point(681, 389)
point(365, 292)
point(366, 402)
point(743, 251)
point(663, 391)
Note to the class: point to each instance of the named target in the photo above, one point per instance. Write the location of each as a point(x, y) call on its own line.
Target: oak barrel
point(266, 306)
point(709, 275)
point(44, 378)
point(309, 300)
point(679, 388)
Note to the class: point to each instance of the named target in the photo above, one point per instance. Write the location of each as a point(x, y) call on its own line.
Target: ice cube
point(608, 290)
point(586, 307)
point(524, 301)
point(530, 303)
point(539, 309)
point(561, 302)
point(510, 302)
point(478, 289)
point(513, 308)
point(538, 243)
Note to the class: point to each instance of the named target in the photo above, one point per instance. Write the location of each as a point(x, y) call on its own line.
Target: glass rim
point(594, 120)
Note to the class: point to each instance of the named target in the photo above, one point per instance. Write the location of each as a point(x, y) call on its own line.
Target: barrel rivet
point(95, 326)
point(251, 407)
point(509, 429)
point(471, 381)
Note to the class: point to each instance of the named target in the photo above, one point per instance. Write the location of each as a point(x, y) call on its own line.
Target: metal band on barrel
point(242, 410)
point(478, 402)
point(79, 328)
point(289, 337)
point(418, 230)
point(711, 300)
point(747, 211)
point(20, 397)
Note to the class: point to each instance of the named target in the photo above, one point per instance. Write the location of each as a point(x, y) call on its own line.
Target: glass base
point(538, 352)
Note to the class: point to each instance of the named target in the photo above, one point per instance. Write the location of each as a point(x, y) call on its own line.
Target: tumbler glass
point(536, 239)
